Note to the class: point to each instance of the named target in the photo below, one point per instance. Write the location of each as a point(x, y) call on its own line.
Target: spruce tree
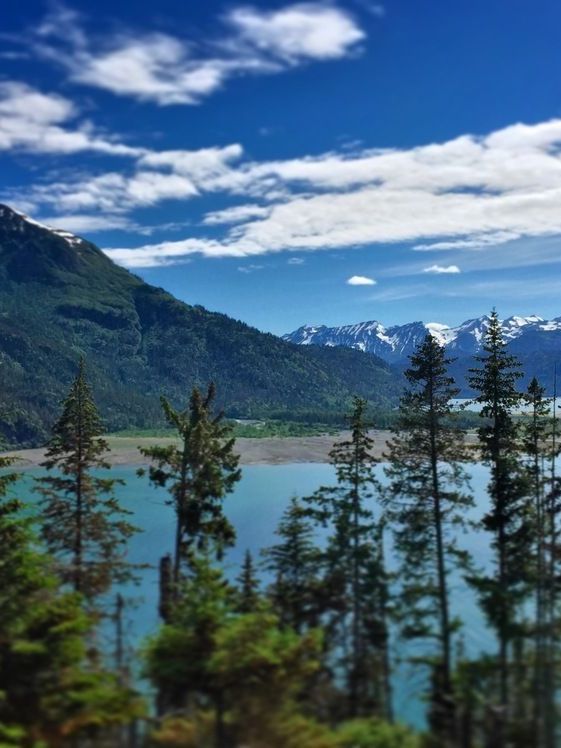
point(244, 668)
point(51, 694)
point(199, 474)
point(352, 563)
point(427, 498)
point(248, 586)
point(297, 593)
point(536, 444)
point(503, 589)
point(83, 524)
point(552, 509)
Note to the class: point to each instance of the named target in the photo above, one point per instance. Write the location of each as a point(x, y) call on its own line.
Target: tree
point(509, 518)
point(248, 586)
point(536, 436)
point(353, 564)
point(199, 474)
point(297, 591)
point(83, 524)
point(244, 667)
point(428, 496)
point(49, 691)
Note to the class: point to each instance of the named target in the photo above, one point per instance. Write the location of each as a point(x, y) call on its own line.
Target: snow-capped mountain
point(526, 336)
point(19, 222)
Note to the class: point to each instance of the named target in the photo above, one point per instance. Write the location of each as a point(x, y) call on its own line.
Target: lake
point(255, 508)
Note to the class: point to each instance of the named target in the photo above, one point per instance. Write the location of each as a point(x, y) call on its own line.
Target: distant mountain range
point(61, 297)
point(536, 342)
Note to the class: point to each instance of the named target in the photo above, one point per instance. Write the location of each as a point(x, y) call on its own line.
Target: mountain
point(61, 297)
point(535, 341)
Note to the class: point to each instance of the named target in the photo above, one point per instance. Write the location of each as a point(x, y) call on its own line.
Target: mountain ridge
point(61, 298)
point(535, 340)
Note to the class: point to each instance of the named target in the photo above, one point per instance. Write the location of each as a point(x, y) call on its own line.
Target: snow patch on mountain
point(396, 343)
point(71, 239)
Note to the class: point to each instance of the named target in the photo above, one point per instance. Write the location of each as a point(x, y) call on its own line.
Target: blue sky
point(324, 162)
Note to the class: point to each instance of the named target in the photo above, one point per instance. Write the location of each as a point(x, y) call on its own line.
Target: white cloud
point(37, 122)
point(296, 32)
point(165, 253)
point(250, 268)
point(475, 242)
point(442, 269)
point(296, 261)
point(237, 214)
point(360, 280)
point(469, 194)
point(168, 70)
point(83, 223)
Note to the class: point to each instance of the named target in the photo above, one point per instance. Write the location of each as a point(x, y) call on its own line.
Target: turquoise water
point(255, 508)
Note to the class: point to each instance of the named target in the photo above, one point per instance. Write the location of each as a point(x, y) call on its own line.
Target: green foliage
point(248, 586)
point(267, 429)
point(372, 733)
point(298, 591)
point(49, 692)
point(60, 301)
point(427, 501)
point(83, 524)
point(354, 569)
point(509, 519)
point(199, 474)
point(244, 666)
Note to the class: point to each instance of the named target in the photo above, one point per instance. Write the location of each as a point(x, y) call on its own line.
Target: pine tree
point(83, 524)
point(50, 692)
point(199, 474)
point(352, 563)
point(297, 593)
point(428, 496)
point(244, 668)
point(536, 444)
point(508, 520)
point(552, 509)
point(248, 586)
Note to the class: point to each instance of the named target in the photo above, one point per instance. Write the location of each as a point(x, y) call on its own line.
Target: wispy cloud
point(491, 239)
point(442, 269)
point(237, 214)
point(467, 196)
point(250, 268)
point(168, 70)
point(48, 123)
point(360, 280)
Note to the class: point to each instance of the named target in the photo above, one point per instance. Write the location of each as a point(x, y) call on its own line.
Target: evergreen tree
point(248, 586)
point(298, 592)
point(536, 444)
point(83, 524)
point(508, 520)
point(50, 694)
point(244, 668)
point(352, 564)
point(428, 496)
point(199, 474)
point(552, 509)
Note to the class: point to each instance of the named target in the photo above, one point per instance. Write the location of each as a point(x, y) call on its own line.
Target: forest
point(309, 659)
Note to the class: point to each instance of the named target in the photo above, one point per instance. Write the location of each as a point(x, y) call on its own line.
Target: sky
point(291, 163)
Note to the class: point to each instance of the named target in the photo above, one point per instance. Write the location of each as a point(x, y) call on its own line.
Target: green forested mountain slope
point(61, 297)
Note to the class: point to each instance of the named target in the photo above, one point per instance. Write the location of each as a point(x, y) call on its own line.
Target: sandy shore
point(266, 451)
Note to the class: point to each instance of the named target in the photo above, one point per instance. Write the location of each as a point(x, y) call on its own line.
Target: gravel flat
point(263, 451)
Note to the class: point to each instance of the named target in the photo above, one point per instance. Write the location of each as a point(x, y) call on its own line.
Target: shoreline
point(252, 451)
